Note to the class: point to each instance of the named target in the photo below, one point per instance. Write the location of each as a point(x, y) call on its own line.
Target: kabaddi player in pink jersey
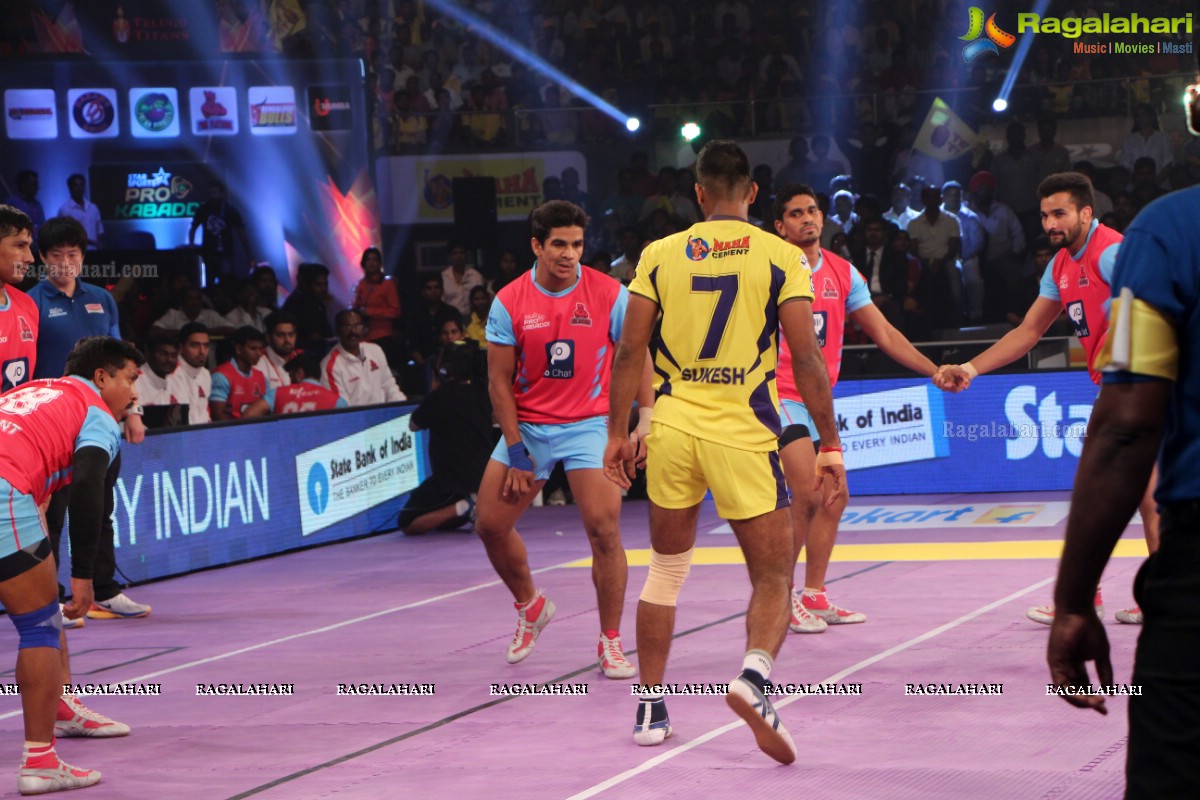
point(53, 433)
point(551, 336)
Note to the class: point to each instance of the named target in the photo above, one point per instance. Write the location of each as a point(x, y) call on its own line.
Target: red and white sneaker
point(803, 620)
point(1130, 616)
point(42, 772)
point(1045, 614)
point(612, 659)
point(76, 719)
point(817, 604)
point(531, 618)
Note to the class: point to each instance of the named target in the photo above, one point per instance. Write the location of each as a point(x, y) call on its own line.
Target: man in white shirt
point(248, 312)
point(82, 209)
point(190, 310)
point(192, 376)
point(458, 280)
point(1001, 264)
point(157, 383)
point(900, 213)
point(281, 348)
point(357, 370)
point(937, 241)
point(974, 240)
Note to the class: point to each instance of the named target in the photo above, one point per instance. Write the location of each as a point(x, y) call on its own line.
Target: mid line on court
point(906, 551)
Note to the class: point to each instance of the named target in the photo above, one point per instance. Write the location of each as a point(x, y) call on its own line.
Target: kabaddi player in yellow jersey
point(712, 298)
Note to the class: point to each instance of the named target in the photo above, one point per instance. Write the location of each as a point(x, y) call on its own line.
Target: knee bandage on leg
point(667, 574)
point(39, 628)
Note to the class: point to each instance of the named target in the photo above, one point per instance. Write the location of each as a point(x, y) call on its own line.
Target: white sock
point(759, 661)
point(810, 590)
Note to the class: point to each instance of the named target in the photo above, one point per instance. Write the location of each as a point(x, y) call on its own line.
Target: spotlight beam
point(514, 48)
point(1023, 48)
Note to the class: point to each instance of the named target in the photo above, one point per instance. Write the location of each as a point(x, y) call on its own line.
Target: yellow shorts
point(680, 468)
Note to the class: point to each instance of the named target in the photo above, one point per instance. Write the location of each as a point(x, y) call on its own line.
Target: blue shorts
point(793, 412)
point(579, 445)
point(20, 522)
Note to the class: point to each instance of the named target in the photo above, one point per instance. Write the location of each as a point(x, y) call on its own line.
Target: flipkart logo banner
point(891, 427)
point(907, 517)
point(345, 477)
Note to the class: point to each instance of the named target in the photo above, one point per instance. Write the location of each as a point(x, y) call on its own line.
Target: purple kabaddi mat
point(390, 610)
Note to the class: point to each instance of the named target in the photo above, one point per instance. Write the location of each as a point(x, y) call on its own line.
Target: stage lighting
point(999, 105)
point(689, 131)
point(632, 124)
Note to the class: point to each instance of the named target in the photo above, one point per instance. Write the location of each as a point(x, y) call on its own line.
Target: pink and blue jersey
point(42, 424)
point(1081, 283)
point(839, 290)
point(565, 343)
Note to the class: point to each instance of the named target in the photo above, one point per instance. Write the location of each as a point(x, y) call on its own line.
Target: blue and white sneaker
point(752, 706)
point(652, 726)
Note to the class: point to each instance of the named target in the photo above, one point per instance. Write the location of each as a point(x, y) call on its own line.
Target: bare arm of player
point(1121, 446)
point(218, 412)
point(258, 408)
point(891, 341)
point(502, 363)
point(135, 429)
point(1014, 344)
point(629, 365)
point(645, 401)
point(812, 379)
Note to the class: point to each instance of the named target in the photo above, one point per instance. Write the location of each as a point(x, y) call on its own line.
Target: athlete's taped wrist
point(645, 414)
point(969, 368)
point(826, 458)
point(518, 457)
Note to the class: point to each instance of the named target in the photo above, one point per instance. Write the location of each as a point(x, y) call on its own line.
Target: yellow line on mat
point(908, 551)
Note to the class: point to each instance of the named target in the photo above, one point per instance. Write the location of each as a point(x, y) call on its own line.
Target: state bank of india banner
point(420, 189)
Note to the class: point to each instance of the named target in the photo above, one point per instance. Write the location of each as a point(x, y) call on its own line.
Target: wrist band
point(518, 457)
point(824, 449)
point(969, 368)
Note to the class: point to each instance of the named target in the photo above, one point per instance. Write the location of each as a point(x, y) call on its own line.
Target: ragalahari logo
point(996, 40)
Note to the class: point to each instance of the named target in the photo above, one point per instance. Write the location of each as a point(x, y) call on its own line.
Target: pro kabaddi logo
point(996, 40)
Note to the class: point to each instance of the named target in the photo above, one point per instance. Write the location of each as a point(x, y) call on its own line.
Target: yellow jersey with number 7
point(718, 286)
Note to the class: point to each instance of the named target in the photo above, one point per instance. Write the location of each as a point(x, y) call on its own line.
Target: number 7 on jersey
point(727, 288)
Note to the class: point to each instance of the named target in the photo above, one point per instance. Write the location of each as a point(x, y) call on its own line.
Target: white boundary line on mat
point(715, 732)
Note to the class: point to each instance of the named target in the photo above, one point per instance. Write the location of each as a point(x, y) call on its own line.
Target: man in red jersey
point(840, 291)
point(551, 335)
point(53, 433)
point(1076, 282)
point(18, 313)
point(239, 389)
point(304, 391)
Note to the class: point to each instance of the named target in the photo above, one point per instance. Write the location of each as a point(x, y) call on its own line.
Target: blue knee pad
point(39, 628)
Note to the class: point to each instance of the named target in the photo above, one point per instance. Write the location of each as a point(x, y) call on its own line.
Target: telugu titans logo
point(995, 36)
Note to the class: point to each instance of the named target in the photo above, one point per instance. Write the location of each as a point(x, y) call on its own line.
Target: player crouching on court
point(53, 433)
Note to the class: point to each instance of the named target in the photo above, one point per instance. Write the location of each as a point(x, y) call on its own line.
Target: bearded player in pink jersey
point(1076, 282)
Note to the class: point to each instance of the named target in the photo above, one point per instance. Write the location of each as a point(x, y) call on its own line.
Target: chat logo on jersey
point(820, 320)
point(1078, 318)
point(696, 248)
point(996, 40)
point(15, 372)
point(560, 359)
